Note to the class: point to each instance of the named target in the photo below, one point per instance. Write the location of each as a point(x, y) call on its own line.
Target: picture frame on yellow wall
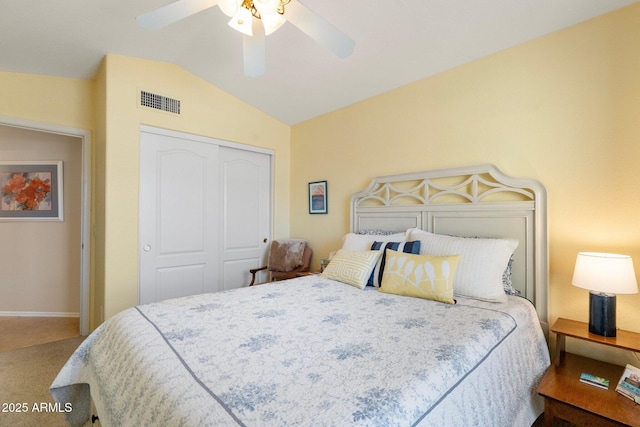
point(318, 197)
point(31, 191)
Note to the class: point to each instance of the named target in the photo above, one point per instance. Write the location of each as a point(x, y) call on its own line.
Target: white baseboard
point(37, 314)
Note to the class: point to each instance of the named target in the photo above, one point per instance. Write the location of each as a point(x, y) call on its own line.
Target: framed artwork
point(31, 191)
point(318, 197)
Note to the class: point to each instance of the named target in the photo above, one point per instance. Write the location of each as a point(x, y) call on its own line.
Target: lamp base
point(602, 314)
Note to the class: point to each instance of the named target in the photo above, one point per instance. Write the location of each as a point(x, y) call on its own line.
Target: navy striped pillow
point(407, 247)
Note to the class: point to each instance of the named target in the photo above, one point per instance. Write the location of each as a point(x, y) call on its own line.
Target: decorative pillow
point(351, 267)
point(407, 247)
point(482, 262)
point(363, 242)
point(421, 276)
point(507, 284)
point(379, 232)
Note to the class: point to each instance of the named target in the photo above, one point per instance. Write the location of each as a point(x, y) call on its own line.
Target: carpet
point(25, 377)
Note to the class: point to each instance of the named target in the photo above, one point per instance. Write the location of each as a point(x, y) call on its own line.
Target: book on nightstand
point(594, 380)
point(629, 384)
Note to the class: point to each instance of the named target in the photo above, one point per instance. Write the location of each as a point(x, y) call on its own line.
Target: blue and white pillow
point(407, 247)
point(507, 284)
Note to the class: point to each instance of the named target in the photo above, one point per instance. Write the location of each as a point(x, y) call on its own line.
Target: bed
point(327, 350)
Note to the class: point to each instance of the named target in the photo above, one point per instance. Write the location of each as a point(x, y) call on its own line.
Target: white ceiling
point(397, 42)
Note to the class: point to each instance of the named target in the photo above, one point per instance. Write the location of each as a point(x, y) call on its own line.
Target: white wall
point(40, 261)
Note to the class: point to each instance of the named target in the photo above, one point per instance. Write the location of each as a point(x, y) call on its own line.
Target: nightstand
point(567, 398)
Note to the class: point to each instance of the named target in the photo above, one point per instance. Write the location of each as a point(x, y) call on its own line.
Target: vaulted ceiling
point(396, 42)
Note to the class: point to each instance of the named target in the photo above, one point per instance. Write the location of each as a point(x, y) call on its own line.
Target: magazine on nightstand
point(629, 384)
point(594, 380)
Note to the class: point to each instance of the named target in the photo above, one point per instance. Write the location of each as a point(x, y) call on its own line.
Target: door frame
point(85, 203)
point(221, 143)
point(208, 140)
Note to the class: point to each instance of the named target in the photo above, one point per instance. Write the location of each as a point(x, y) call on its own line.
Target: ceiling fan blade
point(172, 12)
point(254, 51)
point(319, 29)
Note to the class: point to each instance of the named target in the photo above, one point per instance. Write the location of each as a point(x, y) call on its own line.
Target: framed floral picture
point(318, 197)
point(31, 191)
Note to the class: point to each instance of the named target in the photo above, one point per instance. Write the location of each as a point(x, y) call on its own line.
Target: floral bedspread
point(309, 351)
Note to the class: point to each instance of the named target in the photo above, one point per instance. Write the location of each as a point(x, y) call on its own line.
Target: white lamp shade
point(228, 7)
point(242, 21)
point(266, 6)
point(608, 273)
point(271, 22)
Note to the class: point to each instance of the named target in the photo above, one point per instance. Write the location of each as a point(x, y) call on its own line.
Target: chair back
point(279, 265)
point(306, 264)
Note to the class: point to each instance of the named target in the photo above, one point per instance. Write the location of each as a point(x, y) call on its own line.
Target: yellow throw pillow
point(352, 267)
point(421, 276)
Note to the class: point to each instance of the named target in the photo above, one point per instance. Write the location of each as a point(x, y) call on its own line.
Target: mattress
point(310, 351)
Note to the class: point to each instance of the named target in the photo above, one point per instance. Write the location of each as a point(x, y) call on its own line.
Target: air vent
point(159, 102)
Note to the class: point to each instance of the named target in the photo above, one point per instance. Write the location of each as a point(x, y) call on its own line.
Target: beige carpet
point(23, 331)
point(25, 377)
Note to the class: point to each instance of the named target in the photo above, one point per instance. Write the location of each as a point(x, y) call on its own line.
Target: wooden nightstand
point(567, 398)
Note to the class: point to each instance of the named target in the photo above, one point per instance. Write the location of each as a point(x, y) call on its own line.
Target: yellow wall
point(564, 109)
point(98, 171)
point(54, 100)
point(205, 110)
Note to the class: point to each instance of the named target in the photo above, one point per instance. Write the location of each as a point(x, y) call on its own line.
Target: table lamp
point(605, 275)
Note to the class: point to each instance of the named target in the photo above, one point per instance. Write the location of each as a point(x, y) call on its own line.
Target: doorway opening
point(82, 137)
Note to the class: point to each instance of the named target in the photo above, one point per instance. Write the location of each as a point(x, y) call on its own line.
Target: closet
point(205, 209)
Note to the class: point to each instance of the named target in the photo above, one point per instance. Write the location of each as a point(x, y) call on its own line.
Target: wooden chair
point(276, 274)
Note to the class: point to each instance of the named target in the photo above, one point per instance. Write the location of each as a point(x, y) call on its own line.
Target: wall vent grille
point(159, 102)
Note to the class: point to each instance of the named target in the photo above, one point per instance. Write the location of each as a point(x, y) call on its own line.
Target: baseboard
point(37, 314)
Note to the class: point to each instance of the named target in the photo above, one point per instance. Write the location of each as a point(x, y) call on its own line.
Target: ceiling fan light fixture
point(243, 12)
point(271, 22)
point(270, 12)
point(266, 6)
point(242, 21)
point(228, 7)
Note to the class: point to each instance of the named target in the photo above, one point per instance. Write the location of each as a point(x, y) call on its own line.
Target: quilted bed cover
point(310, 352)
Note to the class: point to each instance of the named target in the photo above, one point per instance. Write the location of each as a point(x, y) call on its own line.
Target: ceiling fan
point(256, 19)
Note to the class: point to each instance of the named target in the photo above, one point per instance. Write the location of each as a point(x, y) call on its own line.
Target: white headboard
point(472, 201)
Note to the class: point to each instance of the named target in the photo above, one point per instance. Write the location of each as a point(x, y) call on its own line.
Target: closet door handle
point(265, 240)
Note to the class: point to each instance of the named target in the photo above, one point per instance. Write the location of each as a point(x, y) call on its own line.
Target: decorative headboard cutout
point(472, 201)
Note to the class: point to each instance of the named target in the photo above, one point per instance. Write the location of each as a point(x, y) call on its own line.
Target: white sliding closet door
point(205, 211)
point(178, 217)
point(246, 202)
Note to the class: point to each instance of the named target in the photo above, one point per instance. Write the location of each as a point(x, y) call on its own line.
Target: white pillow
point(482, 262)
point(363, 242)
point(352, 267)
